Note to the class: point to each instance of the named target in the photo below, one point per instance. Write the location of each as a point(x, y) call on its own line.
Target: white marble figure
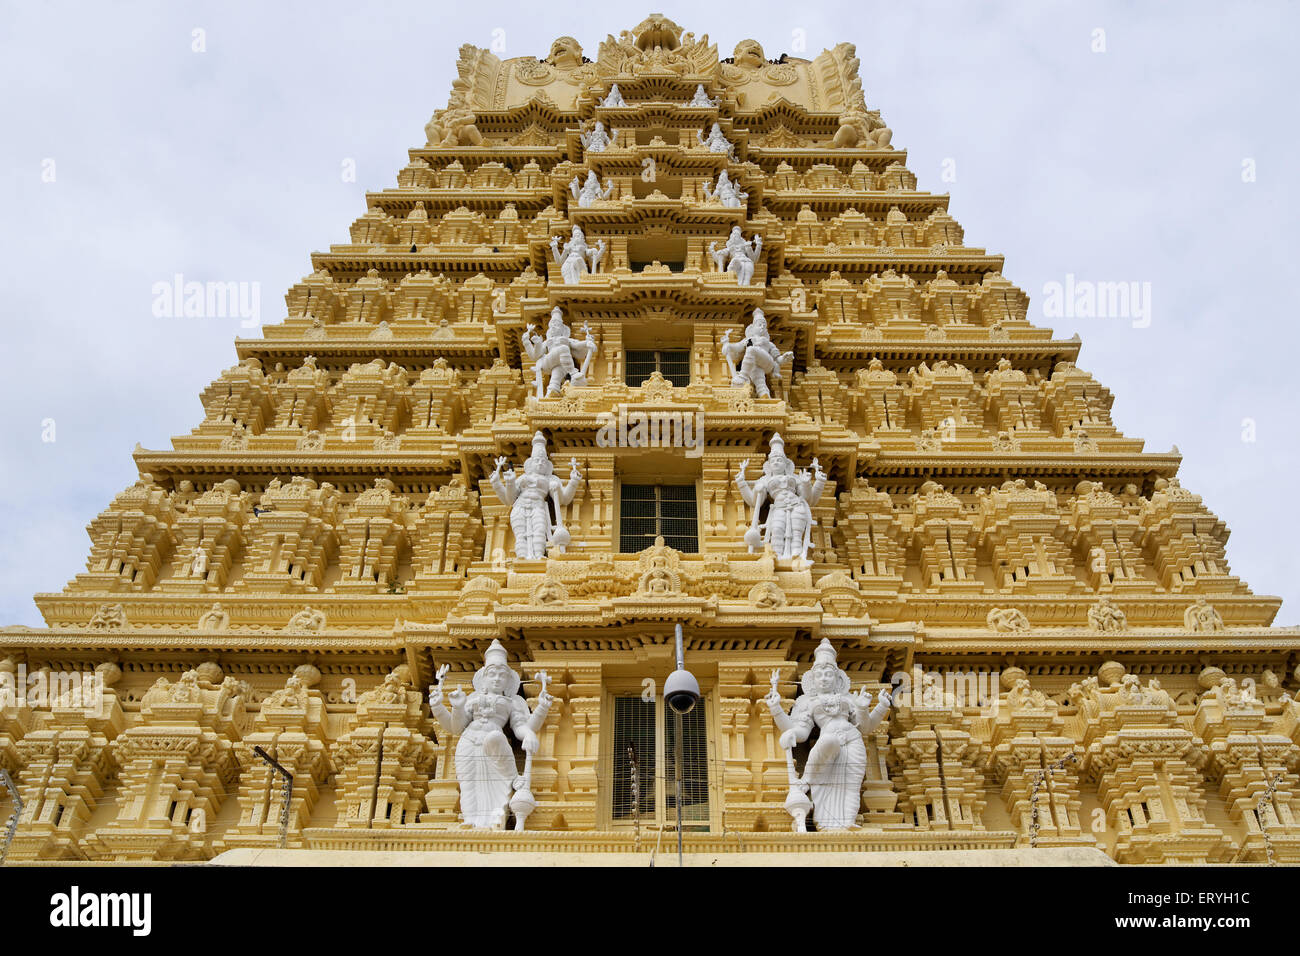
point(590, 193)
point(597, 141)
point(788, 528)
point(727, 193)
point(837, 762)
point(701, 98)
point(485, 761)
point(737, 256)
point(716, 142)
point(614, 99)
point(558, 356)
point(528, 494)
point(575, 254)
point(754, 357)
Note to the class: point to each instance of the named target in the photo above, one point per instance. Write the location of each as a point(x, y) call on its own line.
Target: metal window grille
point(649, 511)
point(634, 724)
point(672, 364)
point(695, 765)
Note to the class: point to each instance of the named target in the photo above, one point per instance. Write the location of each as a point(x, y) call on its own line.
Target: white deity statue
point(558, 356)
point(485, 761)
point(788, 528)
point(597, 141)
point(737, 256)
point(528, 495)
point(614, 98)
point(754, 357)
point(837, 762)
point(701, 99)
point(573, 257)
point(589, 193)
point(727, 193)
point(716, 142)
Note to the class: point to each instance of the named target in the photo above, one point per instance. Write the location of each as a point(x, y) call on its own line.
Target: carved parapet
point(1185, 541)
point(944, 397)
point(447, 537)
point(370, 399)
point(209, 539)
point(368, 300)
point(422, 297)
point(1023, 533)
point(130, 540)
point(374, 539)
point(1105, 536)
point(892, 300)
point(997, 302)
point(937, 763)
point(318, 296)
point(293, 538)
point(302, 400)
point(872, 534)
point(437, 402)
point(241, 396)
point(1074, 399)
point(943, 538)
point(878, 400)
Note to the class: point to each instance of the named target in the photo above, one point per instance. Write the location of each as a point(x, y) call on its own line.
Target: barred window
point(646, 731)
point(672, 364)
point(650, 511)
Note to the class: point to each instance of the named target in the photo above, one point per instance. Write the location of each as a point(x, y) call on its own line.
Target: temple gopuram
point(649, 341)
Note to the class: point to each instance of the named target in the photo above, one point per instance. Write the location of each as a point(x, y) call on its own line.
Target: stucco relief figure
point(715, 142)
point(485, 761)
point(530, 496)
point(597, 141)
point(701, 99)
point(837, 762)
point(614, 99)
point(727, 193)
point(558, 356)
point(589, 193)
point(737, 256)
point(752, 359)
point(574, 255)
point(790, 496)
point(863, 129)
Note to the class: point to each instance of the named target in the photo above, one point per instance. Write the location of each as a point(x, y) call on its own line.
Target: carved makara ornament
point(485, 761)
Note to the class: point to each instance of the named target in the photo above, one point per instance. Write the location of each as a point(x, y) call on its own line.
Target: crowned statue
point(701, 99)
point(613, 99)
point(558, 356)
point(727, 193)
point(597, 141)
point(741, 253)
point(715, 142)
point(528, 495)
point(485, 760)
point(575, 254)
point(837, 762)
point(754, 357)
point(589, 192)
point(789, 495)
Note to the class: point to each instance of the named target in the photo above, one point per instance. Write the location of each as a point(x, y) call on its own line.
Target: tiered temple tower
point(1074, 662)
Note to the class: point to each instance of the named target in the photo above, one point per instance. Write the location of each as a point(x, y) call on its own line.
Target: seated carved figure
point(597, 140)
point(727, 193)
point(575, 254)
point(716, 142)
point(862, 129)
point(738, 255)
point(589, 192)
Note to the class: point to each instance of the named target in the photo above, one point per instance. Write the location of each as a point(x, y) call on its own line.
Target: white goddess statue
point(589, 192)
point(701, 99)
point(788, 528)
point(528, 494)
point(558, 356)
point(573, 257)
point(716, 142)
point(754, 357)
point(597, 141)
point(614, 99)
point(485, 761)
point(837, 762)
point(727, 193)
point(741, 253)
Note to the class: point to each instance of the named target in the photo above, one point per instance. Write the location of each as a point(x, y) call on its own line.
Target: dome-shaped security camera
point(681, 690)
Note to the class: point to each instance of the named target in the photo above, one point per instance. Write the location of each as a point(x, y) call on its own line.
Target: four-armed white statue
point(837, 762)
point(614, 98)
point(485, 761)
point(701, 98)
point(727, 192)
point(573, 257)
point(558, 356)
point(528, 495)
point(788, 528)
point(597, 141)
point(742, 255)
point(716, 142)
point(754, 357)
point(590, 193)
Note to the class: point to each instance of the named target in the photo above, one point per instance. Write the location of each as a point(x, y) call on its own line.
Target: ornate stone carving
point(738, 256)
point(558, 357)
point(789, 496)
point(755, 357)
point(527, 495)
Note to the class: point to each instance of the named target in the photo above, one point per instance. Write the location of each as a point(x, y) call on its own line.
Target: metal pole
point(677, 762)
point(286, 796)
point(18, 811)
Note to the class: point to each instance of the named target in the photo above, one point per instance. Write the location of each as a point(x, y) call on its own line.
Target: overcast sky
point(1122, 155)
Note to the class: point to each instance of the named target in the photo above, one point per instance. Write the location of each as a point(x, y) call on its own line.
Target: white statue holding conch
point(614, 98)
point(701, 99)
point(837, 762)
point(790, 494)
point(727, 192)
point(716, 142)
point(754, 357)
point(738, 255)
point(485, 761)
point(573, 257)
point(531, 496)
point(558, 356)
point(589, 192)
point(597, 141)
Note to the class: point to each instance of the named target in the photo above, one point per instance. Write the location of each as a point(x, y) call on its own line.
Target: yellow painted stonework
point(290, 575)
